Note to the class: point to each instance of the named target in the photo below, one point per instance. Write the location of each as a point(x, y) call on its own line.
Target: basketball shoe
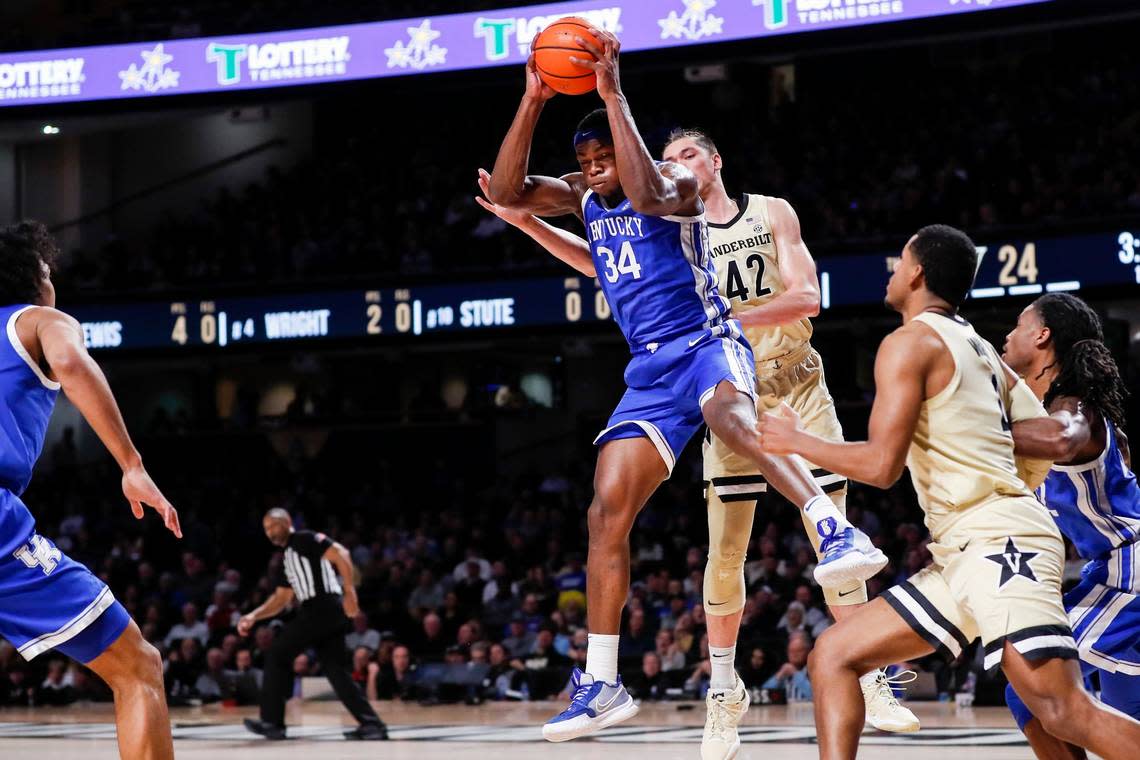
point(594, 706)
point(883, 709)
point(724, 711)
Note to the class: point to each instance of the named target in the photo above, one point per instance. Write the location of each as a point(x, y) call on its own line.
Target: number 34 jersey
point(748, 268)
point(655, 271)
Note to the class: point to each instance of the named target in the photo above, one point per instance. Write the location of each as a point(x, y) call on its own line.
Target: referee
point(312, 563)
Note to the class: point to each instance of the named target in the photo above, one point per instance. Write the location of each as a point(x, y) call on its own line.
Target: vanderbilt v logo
point(1014, 562)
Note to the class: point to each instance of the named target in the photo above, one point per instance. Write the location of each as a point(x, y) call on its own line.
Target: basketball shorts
point(733, 485)
point(50, 601)
point(997, 575)
point(667, 387)
point(1104, 612)
point(797, 379)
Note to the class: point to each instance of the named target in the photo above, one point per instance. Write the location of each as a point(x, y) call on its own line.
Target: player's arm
point(270, 608)
point(1060, 437)
point(60, 341)
point(656, 191)
point(901, 367)
point(800, 299)
point(338, 555)
point(509, 184)
point(562, 245)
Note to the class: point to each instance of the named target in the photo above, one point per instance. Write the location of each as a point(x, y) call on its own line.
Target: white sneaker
point(725, 709)
point(883, 710)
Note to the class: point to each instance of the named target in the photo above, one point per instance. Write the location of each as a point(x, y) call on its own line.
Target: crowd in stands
point(992, 146)
point(466, 594)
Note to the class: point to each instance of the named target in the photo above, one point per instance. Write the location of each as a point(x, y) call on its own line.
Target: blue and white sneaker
point(594, 706)
point(848, 556)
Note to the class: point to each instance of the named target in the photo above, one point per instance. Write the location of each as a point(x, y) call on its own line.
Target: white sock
point(602, 656)
point(723, 668)
point(820, 509)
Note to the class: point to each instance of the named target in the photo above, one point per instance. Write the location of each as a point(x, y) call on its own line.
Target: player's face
point(1024, 341)
point(898, 287)
point(704, 165)
point(598, 163)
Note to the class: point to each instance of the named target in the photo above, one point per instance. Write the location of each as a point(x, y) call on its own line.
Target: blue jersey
point(27, 398)
point(655, 271)
point(1097, 505)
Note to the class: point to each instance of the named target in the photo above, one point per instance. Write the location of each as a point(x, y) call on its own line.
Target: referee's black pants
point(320, 625)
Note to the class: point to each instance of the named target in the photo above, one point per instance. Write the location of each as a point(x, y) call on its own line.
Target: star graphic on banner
point(421, 36)
point(672, 26)
point(397, 55)
point(1013, 562)
point(699, 7)
point(157, 58)
point(132, 78)
point(712, 25)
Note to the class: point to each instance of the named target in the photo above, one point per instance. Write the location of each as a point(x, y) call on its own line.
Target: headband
point(601, 135)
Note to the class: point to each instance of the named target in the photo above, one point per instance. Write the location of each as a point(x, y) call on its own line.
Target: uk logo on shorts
point(1013, 562)
point(39, 553)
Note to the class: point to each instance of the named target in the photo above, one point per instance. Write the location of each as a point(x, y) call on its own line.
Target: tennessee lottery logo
point(1013, 562)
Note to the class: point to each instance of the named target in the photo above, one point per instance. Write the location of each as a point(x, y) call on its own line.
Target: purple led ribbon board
point(423, 45)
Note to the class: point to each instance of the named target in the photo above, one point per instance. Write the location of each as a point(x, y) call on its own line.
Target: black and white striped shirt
point(306, 570)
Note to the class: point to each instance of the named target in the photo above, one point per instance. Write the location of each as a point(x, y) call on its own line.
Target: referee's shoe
point(369, 732)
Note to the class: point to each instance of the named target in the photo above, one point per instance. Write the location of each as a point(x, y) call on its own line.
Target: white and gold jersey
point(748, 268)
point(961, 456)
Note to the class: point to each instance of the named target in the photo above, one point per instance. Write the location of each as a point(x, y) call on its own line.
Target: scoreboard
point(1007, 269)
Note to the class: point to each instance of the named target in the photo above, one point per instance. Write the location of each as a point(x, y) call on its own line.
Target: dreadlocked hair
point(1087, 369)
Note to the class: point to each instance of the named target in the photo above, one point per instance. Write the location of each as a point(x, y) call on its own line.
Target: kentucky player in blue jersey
point(690, 364)
point(1091, 492)
point(47, 600)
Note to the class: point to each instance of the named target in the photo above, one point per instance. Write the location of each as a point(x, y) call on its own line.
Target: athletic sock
point(723, 668)
point(602, 656)
point(820, 509)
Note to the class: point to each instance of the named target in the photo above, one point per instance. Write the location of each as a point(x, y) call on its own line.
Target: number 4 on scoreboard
point(178, 334)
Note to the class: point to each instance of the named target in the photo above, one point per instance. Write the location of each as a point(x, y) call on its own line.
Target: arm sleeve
point(1023, 405)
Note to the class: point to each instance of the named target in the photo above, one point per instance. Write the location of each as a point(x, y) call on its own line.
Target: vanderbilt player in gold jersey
point(949, 409)
point(767, 273)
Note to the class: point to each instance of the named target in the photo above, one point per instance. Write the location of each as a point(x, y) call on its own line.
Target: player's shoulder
point(45, 315)
point(914, 342)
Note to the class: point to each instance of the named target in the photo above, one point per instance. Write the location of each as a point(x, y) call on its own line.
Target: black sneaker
point(369, 732)
point(268, 730)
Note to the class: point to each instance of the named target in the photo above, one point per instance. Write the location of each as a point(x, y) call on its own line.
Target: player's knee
point(609, 517)
point(139, 663)
point(1062, 714)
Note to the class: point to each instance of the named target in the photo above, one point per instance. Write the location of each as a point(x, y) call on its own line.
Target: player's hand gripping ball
point(553, 48)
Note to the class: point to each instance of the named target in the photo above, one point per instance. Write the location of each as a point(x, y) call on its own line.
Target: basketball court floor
point(670, 731)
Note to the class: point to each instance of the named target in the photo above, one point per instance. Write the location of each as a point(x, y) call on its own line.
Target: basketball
point(553, 49)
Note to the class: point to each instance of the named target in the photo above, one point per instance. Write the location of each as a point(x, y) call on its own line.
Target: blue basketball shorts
point(668, 384)
point(1105, 619)
point(50, 601)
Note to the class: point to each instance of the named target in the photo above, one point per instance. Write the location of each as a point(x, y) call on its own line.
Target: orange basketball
point(555, 46)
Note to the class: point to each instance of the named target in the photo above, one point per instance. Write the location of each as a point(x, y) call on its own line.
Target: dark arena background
point(268, 231)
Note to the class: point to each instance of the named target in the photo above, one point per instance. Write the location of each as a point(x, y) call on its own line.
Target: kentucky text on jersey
point(656, 272)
